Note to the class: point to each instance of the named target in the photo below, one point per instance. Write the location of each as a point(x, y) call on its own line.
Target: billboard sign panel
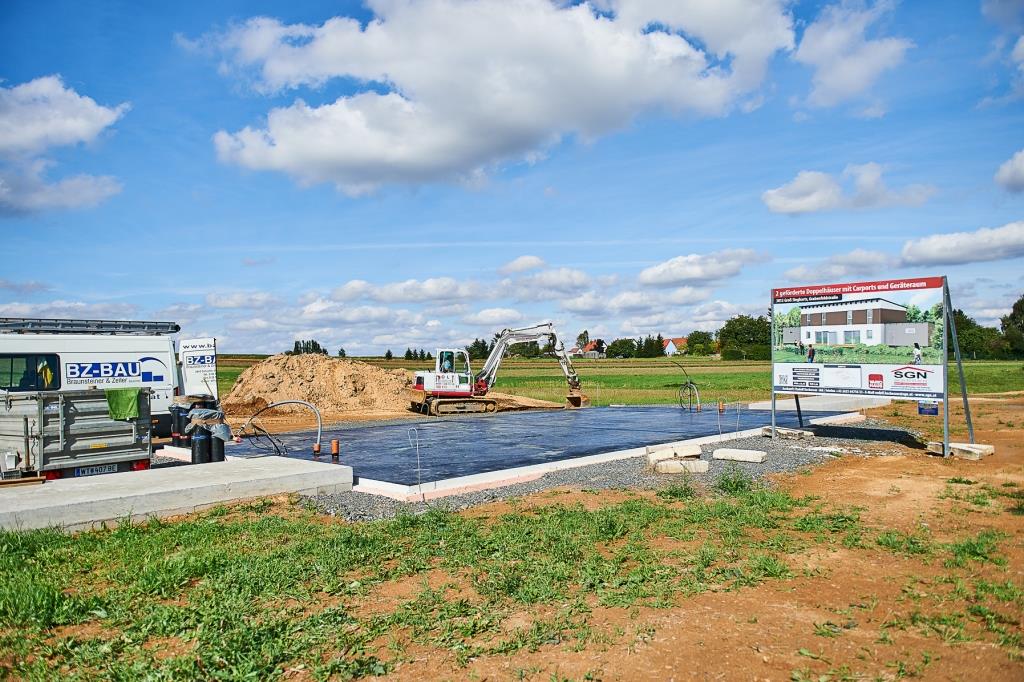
point(882, 338)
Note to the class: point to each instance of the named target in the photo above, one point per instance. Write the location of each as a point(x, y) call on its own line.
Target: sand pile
point(332, 384)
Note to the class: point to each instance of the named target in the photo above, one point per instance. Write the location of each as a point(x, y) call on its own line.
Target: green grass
point(651, 381)
point(252, 591)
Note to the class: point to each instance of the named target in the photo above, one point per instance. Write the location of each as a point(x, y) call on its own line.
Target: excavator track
point(442, 406)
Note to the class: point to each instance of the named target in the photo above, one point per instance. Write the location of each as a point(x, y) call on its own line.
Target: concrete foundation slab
point(739, 455)
point(465, 447)
point(86, 502)
point(837, 403)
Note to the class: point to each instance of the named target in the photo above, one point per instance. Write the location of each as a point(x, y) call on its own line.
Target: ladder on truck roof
point(36, 325)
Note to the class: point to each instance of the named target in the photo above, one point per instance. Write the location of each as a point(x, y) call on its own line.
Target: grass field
point(652, 381)
point(268, 591)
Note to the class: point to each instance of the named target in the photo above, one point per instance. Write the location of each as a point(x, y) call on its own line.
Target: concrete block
point(969, 451)
point(679, 466)
point(789, 434)
point(739, 455)
point(657, 453)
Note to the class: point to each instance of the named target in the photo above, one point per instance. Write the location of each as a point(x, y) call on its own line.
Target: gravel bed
point(869, 438)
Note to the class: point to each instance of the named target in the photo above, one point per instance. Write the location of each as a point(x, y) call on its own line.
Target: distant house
point(675, 345)
point(593, 350)
point(870, 321)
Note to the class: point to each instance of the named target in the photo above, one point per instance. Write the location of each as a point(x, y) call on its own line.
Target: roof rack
point(36, 325)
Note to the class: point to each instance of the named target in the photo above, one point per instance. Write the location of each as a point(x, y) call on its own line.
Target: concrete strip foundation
point(80, 503)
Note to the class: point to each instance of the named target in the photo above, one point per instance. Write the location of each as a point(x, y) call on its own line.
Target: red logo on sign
point(875, 381)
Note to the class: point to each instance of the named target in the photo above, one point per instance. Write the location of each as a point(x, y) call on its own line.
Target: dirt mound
point(332, 384)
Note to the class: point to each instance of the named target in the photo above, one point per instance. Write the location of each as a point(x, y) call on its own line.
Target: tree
point(700, 343)
point(914, 314)
point(527, 350)
point(622, 348)
point(479, 349)
point(582, 339)
point(1012, 326)
point(600, 346)
point(388, 355)
point(408, 354)
point(304, 347)
point(341, 353)
point(744, 330)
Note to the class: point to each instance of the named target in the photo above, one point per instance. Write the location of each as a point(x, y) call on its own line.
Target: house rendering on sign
point(869, 321)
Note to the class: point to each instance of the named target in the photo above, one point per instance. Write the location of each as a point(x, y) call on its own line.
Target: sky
point(419, 173)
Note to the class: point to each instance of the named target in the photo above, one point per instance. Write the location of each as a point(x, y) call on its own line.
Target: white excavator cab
point(452, 360)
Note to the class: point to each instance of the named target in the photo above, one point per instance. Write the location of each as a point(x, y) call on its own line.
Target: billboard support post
point(771, 332)
point(959, 361)
point(945, 375)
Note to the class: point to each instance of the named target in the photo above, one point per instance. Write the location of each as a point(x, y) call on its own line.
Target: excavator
point(452, 388)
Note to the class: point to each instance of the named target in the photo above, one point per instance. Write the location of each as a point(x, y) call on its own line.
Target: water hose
point(319, 421)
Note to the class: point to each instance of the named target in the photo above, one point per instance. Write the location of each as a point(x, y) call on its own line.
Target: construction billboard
point(884, 338)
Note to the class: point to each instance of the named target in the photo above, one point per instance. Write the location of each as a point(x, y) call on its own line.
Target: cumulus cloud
point(69, 309)
point(1010, 175)
point(596, 304)
point(447, 90)
point(813, 191)
point(35, 117)
point(846, 62)
point(408, 291)
point(707, 317)
point(491, 317)
point(522, 264)
point(241, 299)
point(553, 283)
point(985, 244)
point(697, 268)
point(24, 189)
point(853, 264)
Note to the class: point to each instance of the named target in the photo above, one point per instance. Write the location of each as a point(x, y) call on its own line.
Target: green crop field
point(652, 381)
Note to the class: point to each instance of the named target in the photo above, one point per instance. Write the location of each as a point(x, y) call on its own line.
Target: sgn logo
point(911, 373)
point(147, 370)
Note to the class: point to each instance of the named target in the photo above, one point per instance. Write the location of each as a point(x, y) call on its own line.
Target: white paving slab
point(740, 455)
point(86, 502)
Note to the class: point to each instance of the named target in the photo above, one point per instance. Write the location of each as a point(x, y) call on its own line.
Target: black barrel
point(177, 424)
point(216, 449)
point(201, 445)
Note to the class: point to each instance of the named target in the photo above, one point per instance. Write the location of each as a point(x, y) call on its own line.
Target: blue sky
point(434, 170)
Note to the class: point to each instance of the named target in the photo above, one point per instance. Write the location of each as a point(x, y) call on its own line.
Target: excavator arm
point(485, 378)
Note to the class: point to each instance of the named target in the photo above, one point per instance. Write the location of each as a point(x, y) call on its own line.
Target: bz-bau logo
point(148, 370)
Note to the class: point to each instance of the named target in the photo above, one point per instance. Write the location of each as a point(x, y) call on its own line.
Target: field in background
point(645, 381)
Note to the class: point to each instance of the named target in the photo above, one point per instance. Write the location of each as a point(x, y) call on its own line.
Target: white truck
point(75, 355)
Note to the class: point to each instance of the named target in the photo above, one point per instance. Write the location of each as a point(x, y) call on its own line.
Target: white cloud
point(182, 313)
point(408, 291)
point(40, 115)
point(846, 63)
point(459, 87)
point(491, 317)
point(588, 303)
point(985, 244)
point(548, 284)
point(522, 264)
point(23, 188)
point(1005, 13)
point(595, 304)
point(855, 263)
point(707, 317)
point(1011, 173)
point(813, 191)
point(241, 299)
point(69, 309)
point(696, 268)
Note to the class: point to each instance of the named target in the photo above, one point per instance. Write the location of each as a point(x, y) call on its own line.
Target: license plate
point(94, 470)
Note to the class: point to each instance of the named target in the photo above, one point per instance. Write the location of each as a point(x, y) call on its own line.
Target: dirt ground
point(772, 631)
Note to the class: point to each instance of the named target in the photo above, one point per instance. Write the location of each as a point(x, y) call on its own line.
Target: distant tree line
point(304, 347)
point(412, 354)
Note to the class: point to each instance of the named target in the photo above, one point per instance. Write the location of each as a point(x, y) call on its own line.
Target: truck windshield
point(29, 372)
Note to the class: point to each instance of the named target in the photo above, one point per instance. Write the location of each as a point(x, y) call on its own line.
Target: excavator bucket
point(576, 400)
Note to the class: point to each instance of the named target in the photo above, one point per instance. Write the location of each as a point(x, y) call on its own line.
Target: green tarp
point(122, 403)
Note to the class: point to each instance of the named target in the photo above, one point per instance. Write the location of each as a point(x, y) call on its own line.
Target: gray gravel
point(867, 439)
